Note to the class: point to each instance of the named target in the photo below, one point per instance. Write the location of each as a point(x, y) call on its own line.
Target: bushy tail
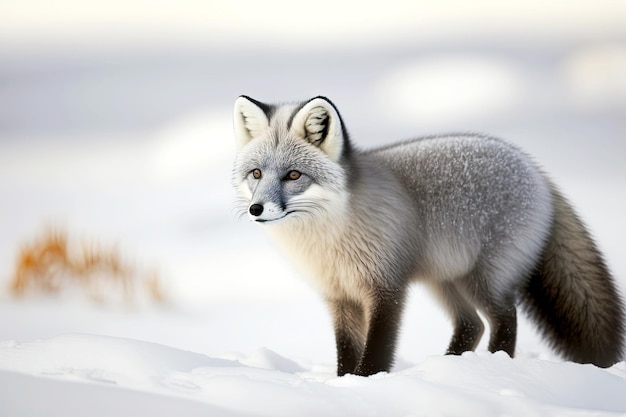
point(572, 297)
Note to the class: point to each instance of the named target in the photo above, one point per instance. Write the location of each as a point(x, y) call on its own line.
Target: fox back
point(468, 215)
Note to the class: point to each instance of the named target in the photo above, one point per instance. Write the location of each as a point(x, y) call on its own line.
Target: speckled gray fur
point(470, 216)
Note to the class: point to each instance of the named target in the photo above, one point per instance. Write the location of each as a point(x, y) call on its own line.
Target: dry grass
point(51, 265)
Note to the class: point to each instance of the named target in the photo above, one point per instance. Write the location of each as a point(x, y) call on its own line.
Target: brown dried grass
point(51, 265)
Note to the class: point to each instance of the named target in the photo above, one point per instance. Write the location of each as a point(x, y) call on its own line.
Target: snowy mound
point(79, 375)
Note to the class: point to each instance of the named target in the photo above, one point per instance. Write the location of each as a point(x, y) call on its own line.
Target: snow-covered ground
point(124, 138)
point(100, 376)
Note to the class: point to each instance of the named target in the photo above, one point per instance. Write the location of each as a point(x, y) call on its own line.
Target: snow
point(595, 76)
point(105, 375)
point(445, 87)
point(126, 141)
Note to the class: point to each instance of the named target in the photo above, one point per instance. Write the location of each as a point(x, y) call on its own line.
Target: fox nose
point(256, 209)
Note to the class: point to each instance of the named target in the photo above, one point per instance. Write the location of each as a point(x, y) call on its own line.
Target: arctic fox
point(470, 216)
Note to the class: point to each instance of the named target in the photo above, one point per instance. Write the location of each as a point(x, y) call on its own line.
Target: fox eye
point(256, 173)
point(293, 175)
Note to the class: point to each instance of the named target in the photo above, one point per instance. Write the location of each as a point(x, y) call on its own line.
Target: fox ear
point(319, 123)
point(250, 120)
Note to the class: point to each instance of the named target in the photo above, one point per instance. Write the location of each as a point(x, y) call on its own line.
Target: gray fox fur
point(470, 216)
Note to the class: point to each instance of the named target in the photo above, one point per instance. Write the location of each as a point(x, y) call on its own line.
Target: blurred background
point(115, 129)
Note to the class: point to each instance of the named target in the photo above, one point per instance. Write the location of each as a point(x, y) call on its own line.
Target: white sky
point(287, 22)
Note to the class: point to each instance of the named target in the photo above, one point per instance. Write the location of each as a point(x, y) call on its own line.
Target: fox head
point(290, 159)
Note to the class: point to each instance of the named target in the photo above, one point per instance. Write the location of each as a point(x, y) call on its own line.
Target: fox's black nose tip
point(256, 209)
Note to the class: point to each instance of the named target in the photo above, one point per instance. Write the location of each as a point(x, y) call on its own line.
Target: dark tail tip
point(572, 297)
point(582, 327)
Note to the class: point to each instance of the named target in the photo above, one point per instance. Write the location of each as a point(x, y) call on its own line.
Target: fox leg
point(384, 316)
point(350, 332)
point(498, 307)
point(503, 323)
point(468, 327)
